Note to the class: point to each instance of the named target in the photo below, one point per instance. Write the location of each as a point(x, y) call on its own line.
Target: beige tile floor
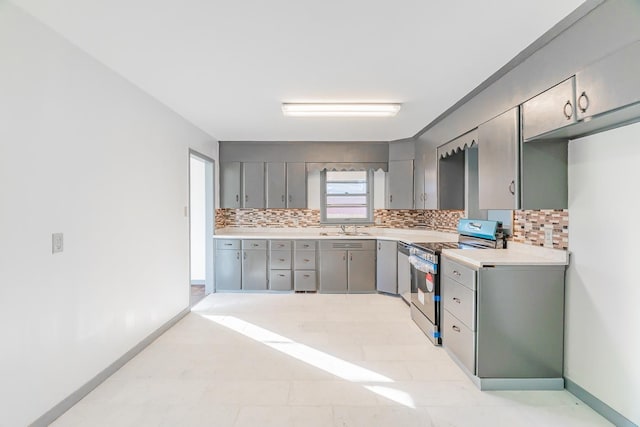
point(307, 360)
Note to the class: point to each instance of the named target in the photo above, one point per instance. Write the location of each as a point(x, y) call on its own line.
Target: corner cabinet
point(400, 184)
point(504, 325)
point(347, 266)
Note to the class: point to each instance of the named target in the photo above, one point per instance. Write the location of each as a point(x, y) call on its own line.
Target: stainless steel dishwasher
point(404, 272)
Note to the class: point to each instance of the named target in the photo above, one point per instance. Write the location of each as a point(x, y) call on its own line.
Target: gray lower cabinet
point(304, 264)
point(230, 185)
point(228, 265)
point(387, 267)
point(505, 324)
point(347, 266)
point(280, 278)
point(254, 265)
point(400, 184)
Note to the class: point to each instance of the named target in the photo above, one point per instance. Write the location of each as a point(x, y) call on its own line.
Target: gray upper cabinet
point(296, 185)
point(286, 185)
point(400, 184)
point(253, 185)
point(498, 142)
point(276, 190)
point(610, 83)
point(230, 185)
point(549, 111)
point(425, 177)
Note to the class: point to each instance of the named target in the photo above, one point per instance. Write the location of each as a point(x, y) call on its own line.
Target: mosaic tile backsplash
point(528, 225)
point(439, 220)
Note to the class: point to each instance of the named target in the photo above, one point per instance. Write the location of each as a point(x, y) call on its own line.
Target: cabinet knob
point(512, 188)
point(246, 197)
point(455, 328)
point(391, 198)
point(568, 110)
point(583, 102)
point(237, 255)
point(283, 198)
point(245, 255)
point(290, 198)
point(237, 197)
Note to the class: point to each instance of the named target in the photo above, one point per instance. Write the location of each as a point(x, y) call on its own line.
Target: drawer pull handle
point(456, 300)
point(228, 244)
point(307, 260)
point(583, 102)
point(281, 275)
point(255, 245)
point(455, 328)
point(306, 276)
point(568, 110)
point(281, 259)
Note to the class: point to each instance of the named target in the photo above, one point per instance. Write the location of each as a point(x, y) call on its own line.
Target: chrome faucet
point(343, 228)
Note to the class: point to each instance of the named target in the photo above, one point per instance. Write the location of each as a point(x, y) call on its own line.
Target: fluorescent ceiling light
point(340, 110)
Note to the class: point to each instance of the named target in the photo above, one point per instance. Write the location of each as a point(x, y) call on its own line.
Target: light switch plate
point(57, 243)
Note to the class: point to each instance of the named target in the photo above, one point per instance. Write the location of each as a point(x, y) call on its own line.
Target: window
point(346, 197)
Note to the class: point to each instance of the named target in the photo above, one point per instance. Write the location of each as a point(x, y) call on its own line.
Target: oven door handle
point(422, 265)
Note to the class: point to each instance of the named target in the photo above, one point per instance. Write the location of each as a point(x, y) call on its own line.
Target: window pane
point(336, 212)
point(346, 200)
point(346, 187)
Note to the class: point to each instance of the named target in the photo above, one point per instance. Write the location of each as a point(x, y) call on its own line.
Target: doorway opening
point(201, 225)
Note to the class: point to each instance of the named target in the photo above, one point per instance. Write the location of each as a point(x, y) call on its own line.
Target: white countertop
point(515, 254)
point(405, 235)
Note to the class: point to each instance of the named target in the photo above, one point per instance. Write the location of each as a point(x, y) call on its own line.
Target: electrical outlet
point(548, 237)
point(57, 242)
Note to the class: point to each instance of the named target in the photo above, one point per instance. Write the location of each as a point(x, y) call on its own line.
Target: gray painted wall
point(363, 152)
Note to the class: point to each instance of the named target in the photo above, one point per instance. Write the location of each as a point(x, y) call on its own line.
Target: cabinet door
point(362, 271)
point(254, 270)
point(296, 185)
point(551, 110)
point(418, 178)
point(253, 184)
point(498, 141)
point(230, 185)
point(228, 271)
point(400, 184)
point(333, 271)
point(275, 177)
point(386, 267)
point(610, 83)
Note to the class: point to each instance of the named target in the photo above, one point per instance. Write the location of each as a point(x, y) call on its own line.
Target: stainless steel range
point(425, 259)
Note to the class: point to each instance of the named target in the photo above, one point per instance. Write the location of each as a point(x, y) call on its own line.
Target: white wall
point(85, 153)
point(603, 284)
point(197, 216)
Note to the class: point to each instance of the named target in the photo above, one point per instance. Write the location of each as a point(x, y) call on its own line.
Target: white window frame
point(323, 203)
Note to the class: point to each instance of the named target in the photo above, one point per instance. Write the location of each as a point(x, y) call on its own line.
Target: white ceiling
point(226, 66)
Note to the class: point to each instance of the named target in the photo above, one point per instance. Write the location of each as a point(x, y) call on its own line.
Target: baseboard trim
point(598, 405)
point(197, 282)
point(62, 407)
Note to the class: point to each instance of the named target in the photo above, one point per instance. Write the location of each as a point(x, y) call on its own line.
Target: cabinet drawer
point(460, 273)
point(254, 244)
point(280, 245)
point(227, 244)
point(305, 245)
point(280, 280)
point(305, 260)
point(460, 301)
point(280, 260)
point(304, 280)
point(459, 340)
